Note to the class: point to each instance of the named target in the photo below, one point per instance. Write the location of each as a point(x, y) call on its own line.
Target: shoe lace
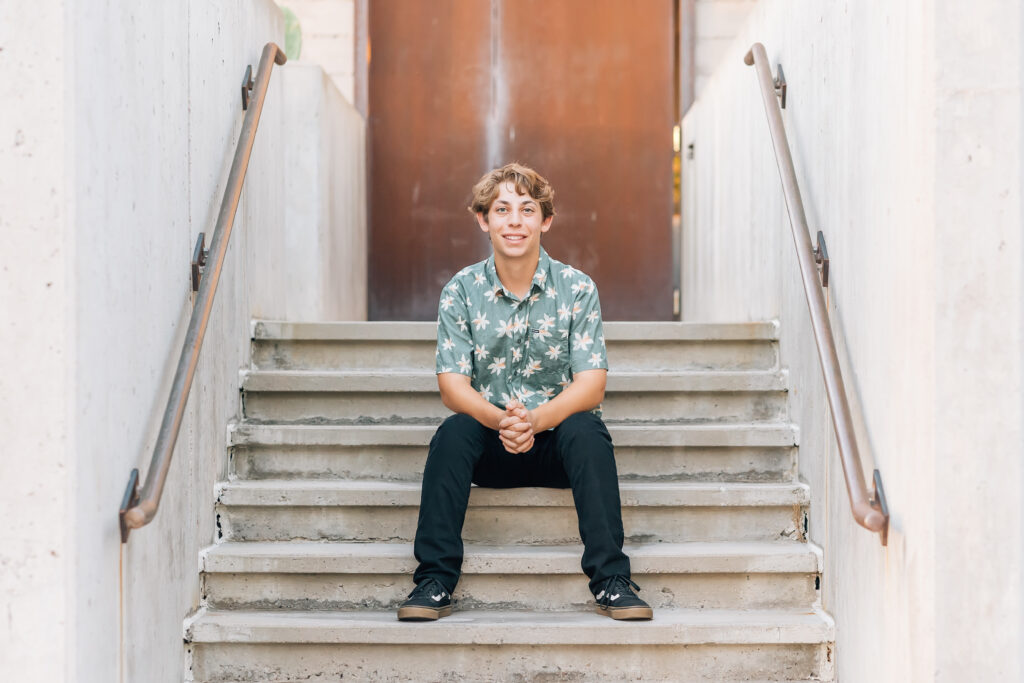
point(428, 586)
point(616, 584)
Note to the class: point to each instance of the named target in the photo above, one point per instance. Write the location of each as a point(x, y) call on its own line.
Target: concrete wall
point(117, 133)
point(905, 122)
point(325, 218)
point(716, 25)
point(328, 38)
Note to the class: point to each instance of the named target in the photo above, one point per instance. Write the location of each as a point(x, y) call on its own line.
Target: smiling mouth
point(514, 238)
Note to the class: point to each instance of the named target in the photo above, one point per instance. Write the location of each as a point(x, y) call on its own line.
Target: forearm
point(460, 397)
point(585, 393)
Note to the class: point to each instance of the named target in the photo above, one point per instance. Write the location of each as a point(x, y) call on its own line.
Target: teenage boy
point(521, 362)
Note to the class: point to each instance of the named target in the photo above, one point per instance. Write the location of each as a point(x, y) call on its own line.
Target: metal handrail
point(140, 506)
point(870, 513)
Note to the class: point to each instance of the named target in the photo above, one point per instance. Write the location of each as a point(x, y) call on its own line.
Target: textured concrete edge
point(267, 330)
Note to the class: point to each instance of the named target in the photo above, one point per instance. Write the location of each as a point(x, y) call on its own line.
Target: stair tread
point(427, 331)
point(405, 381)
point(732, 434)
point(393, 558)
point(345, 492)
point(675, 626)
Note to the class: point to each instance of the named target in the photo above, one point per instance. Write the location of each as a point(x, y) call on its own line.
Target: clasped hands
point(516, 429)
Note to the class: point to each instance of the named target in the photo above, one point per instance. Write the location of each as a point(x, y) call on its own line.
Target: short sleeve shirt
point(526, 349)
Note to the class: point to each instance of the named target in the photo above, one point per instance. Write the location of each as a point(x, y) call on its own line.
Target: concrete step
point(345, 576)
point(368, 511)
point(690, 645)
point(654, 346)
point(376, 396)
point(753, 452)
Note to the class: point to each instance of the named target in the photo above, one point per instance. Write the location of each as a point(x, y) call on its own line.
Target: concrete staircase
point(317, 519)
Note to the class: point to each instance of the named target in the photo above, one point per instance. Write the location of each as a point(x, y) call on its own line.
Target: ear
point(546, 225)
point(481, 220)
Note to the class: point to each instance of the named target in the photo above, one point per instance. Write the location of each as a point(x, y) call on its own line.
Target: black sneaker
point(428, 601)
point(617, 600)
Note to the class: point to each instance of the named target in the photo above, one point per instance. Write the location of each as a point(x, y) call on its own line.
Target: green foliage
point(292, 34)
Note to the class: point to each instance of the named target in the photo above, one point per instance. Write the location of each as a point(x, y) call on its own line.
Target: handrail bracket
point(247, 86)
point(780, 86)
point(199, 256)
point(821, 258)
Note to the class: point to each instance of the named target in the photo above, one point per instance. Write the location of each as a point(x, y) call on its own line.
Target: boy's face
point(514, 224)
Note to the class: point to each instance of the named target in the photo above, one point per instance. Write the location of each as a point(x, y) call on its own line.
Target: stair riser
point(509, 525)
point(405, 463)
point(669, 406)
point(238, 662)
point(667, 356)
point(503, 591)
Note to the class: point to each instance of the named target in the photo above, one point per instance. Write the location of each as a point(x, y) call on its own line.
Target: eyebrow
point(522, 203)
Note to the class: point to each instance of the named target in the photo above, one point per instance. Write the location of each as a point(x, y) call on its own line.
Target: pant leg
point(455, 450)
point(584, 448)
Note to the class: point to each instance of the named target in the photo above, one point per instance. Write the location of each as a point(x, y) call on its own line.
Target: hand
point(516, 429)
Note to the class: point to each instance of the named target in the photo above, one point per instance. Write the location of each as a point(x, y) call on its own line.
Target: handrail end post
point(882, 505)
point(130, 500)
point(748, 59)
point(279, 56)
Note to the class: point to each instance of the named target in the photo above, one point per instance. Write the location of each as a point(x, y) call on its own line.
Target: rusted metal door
point(582, 90)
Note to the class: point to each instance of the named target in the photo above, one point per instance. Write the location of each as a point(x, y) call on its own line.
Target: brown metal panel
point(429, 97)
point(582, 90)
point(590, 93)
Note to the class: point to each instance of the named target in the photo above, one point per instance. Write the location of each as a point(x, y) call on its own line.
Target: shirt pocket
point(553, 353)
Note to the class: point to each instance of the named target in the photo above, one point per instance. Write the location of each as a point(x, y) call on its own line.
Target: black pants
point(577, 454)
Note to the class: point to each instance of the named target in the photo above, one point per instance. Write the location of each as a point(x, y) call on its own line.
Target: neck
point(516, 275)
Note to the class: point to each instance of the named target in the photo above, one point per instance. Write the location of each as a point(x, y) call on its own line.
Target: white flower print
point(522, 393)
point(519, 324)
point(576, 308)
point(481, 352)
point(516, 354)
point(481, 322)
point(568, 272)
point(565, 382)
point(496, 366)
point(447, 302)
point(564, 331)
point(546, 322)
point(479, 279)
point(506, 399)
point(465, 365)
point(486, 392)
point(541, 277)
point(582, 341)
point(448, 344)
point(469, 302)
point(454, 287)
point(601, 339)
point(543, 333)
point(554, 352)
point(504, 328)
point(492, 294)
point(446, 369)
point(564, 312)
point(593, 316)
point(595, 359)
point(577, 286)
point(531, 367)
point(461, 322)
point(551, 293)
point(535, 297)
point(547, 392)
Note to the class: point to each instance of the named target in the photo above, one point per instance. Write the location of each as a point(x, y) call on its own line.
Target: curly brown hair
point(523, 178)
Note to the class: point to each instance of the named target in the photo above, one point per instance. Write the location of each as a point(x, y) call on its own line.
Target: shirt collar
point(540, 277)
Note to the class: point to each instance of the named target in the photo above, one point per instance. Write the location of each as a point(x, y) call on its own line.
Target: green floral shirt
point(527, 348)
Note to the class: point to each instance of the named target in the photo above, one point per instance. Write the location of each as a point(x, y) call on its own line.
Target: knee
point(584, 433)
point(583, 424)
point(458, 435)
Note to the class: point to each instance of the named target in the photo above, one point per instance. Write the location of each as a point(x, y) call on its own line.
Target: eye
point(528, 209)
point(500, 209)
